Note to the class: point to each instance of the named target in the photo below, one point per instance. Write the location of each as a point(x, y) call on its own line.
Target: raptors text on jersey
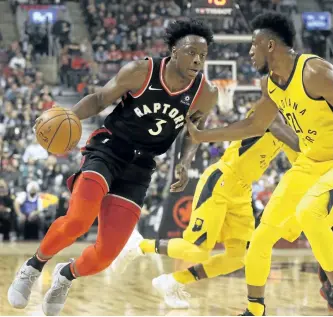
point(152, 118)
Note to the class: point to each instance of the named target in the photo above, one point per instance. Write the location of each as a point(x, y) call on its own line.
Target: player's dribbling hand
point(182, 176)
point(193, 130)
point(37, 121)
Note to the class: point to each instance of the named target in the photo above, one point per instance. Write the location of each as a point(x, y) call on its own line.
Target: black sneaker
point(248, 313)
point(326, 292)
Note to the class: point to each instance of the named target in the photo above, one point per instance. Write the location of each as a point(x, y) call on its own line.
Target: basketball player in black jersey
point(118, 159)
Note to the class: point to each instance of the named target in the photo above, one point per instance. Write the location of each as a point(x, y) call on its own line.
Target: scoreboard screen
point(212, 8)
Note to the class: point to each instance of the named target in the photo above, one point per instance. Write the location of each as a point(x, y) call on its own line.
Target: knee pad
point(263, 240)
point(231, 260)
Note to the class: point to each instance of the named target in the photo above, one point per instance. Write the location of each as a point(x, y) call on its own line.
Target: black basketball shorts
point(126, 171)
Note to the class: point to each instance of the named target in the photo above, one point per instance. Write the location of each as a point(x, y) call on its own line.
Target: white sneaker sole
point(53, 309)
point(16, 299)
point(162, 294)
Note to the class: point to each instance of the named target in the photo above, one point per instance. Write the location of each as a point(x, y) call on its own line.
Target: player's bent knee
point(308, 210)
point(192, 252)
point(196, 255)
point(84, 206)
point(263, 240)
point(76, 227)
point(179, 248)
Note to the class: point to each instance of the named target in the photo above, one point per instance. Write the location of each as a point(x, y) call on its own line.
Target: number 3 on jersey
point(159, 127)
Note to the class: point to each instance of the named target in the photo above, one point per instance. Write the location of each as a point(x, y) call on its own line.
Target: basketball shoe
point(55, 297)
point(326, 292)
point(172, 291)
point(326, 288)
point(20, 290)
point(128, 254)
point(248, 313)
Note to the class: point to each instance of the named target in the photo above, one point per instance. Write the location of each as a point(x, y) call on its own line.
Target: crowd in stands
point(31, 180)
point(120, 31)
point(123, 31)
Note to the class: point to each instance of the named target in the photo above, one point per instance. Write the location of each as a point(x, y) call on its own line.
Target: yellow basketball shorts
point(305, 178)
point(221, 209)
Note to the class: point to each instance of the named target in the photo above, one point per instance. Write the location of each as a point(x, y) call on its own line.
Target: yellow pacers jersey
point(311, 119)
point(249, 158)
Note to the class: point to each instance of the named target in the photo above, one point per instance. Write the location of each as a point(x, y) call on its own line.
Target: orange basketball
point(58, 130)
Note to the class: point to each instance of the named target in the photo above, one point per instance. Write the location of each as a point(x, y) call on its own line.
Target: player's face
point(259, 52)
point(190, 55)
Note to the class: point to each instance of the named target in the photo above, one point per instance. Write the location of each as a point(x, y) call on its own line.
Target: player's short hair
point(179, 29)
point(278, 24)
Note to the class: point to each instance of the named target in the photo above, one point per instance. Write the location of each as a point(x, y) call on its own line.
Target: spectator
point(35, 152)
point(101, 55)
point(29, 207)
point(61, 30)
point(6, 211)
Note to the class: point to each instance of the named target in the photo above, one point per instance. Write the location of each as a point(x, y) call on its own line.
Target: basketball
point(58, 130)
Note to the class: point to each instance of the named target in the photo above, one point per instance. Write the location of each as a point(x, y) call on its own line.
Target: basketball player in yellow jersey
point(300, 87)
point(221, 212)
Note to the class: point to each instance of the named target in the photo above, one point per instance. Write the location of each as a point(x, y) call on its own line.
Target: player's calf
point(322, 275)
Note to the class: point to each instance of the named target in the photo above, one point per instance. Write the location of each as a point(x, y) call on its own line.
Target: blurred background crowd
point(87, 42)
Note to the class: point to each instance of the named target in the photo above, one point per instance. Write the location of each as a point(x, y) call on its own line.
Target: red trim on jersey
point(147, 80)
point(198, 93)
point(164, 84)
point(98, 131)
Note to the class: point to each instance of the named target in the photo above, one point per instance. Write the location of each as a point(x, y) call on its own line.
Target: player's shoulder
point(139, 67)
point(316, 67)
point(133, 74)
point(317, 76)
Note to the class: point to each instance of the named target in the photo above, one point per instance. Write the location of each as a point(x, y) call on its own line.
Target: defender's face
point(190, 55)
point(259, 52)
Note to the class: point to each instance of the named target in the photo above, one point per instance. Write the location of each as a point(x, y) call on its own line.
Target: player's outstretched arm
point(284, 133)
point(255, 125)
point(199, 113)
point(130, 78)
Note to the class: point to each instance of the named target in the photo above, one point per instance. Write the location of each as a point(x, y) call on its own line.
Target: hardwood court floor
point(293, 287)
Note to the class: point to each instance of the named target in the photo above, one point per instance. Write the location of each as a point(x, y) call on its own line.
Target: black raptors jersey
point(151, 119)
